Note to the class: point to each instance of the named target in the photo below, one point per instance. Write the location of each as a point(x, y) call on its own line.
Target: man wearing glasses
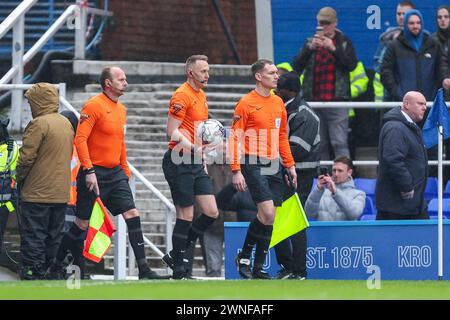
point(325, 61)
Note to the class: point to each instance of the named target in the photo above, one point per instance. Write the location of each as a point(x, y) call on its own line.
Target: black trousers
point(41, 230)
point(4, 215)
point(305, 179)
point(291, 252)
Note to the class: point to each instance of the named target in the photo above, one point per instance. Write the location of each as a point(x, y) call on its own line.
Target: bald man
point(104, 172)
point(402, 171)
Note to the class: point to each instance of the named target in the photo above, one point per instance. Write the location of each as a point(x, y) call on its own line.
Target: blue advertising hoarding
point(399, 250)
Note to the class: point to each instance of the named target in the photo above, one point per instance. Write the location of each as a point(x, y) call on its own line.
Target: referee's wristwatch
point(90, 170)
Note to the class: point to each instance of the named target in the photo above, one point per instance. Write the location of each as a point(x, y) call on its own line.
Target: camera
point(323, 171)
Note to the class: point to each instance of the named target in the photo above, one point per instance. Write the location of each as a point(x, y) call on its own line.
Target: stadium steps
point(170, 87)
point(162, 95)
point(147, 107)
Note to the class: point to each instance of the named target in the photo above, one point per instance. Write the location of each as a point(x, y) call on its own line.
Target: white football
point(211, 132)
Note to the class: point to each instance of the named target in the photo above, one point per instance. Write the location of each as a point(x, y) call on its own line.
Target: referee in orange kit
point(187, 178)
point(100, 142)
point(259, 127)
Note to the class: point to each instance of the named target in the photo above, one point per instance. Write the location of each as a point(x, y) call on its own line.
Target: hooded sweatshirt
point(414, 41)
point(405, 68)
point(43, 170)
point(442, 35)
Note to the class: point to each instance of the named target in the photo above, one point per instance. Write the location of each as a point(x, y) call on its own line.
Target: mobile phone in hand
point(319, 31)
point(323, 171)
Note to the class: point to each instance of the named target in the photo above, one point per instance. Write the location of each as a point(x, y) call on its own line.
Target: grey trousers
point(333, 132)
point(212, 245)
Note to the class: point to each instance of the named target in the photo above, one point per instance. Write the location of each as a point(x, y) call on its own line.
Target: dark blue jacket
point(403, 166)
point(404, 69)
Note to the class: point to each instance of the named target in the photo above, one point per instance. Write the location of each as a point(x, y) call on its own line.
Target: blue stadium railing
point(37, 21)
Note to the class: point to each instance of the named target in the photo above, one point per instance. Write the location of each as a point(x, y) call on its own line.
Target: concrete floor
point(8, 275)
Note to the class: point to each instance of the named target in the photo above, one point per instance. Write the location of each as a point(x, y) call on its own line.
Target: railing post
point(120, 249)
point(131, 257)
point(62, 93)
point(80, 31)
point(169, 229)
point(17, 61)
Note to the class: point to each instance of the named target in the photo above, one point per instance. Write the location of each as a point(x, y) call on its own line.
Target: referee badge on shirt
point(277, 122)
point(83, 117)
point(176, 108)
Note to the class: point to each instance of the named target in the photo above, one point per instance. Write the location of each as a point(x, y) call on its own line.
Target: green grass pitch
point(225, 290)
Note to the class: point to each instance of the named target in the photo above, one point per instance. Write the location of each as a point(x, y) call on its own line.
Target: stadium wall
point(161, 30)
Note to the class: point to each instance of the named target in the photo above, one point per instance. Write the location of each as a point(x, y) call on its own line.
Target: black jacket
point(403, 166)
point(445, 61)
point(346, 61)
point(404, 69)
point(303, 132)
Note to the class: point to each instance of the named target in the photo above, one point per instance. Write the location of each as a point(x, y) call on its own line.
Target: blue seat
point(435, 217)
point(367, 217)
point(433, 207)
point(367, 185)
point(369, 208)
point(431, 189)
point(447, 190)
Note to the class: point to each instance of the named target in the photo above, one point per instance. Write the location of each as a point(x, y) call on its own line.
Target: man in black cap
point(304, 140)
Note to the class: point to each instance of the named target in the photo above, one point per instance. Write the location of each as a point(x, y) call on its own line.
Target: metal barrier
point(75, 16)
point(360, 105)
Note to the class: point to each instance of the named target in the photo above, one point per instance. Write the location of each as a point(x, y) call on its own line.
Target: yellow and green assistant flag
point(101, 228)
point(290, 218)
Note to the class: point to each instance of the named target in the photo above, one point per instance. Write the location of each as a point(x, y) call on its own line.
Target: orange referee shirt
point(100, 137)
point(189, 107)
point(259, 125)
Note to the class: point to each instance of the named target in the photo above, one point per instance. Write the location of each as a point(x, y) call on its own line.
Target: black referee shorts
point(262, 186)
point(185, 181)
point(115, 192)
